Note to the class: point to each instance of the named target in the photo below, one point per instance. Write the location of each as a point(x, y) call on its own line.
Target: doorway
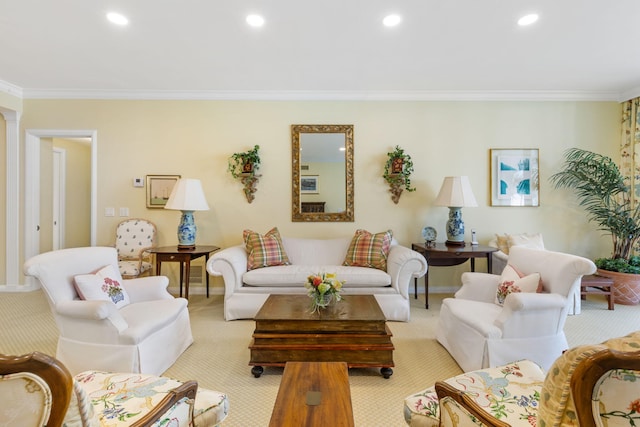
point(34, 140)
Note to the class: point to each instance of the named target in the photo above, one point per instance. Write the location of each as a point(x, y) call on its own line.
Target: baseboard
point(197, 290)
point(19, 288)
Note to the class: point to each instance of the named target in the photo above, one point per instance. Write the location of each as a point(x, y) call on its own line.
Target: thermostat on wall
point(138, 182)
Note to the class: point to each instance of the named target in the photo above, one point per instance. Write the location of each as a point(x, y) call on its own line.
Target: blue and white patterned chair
point(133, 239)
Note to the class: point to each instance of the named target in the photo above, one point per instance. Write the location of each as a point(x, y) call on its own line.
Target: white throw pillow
point(103, 285)
point(533, 241)
point(512, 281)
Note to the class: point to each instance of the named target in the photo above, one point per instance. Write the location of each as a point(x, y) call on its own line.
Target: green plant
point(605, 194)
point(403, 177)
point(238, 162)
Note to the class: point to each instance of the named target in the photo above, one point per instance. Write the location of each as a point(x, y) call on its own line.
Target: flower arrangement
point(113, 290)
point(323, 288)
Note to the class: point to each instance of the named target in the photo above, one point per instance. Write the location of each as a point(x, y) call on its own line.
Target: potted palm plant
point(605, 194)
point(397, 172)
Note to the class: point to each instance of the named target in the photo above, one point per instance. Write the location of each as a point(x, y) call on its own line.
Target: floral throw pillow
point(369, 250)
point(103, 285)
point(264, 250)
point(514, 281)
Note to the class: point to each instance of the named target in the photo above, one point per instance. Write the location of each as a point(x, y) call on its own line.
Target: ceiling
point(330, 49)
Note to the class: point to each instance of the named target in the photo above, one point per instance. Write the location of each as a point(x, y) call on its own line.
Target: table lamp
point(455, 193)
point(187, 196)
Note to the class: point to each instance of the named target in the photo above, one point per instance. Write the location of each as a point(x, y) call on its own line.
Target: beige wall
point(3, 198)
point(195, 138)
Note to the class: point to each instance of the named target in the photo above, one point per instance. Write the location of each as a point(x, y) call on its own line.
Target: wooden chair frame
point(587, 374)
point(52, 371)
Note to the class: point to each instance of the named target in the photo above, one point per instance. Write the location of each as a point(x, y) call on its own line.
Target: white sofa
point(246, 291)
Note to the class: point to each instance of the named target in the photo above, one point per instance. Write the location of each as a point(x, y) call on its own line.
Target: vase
point(320, 301)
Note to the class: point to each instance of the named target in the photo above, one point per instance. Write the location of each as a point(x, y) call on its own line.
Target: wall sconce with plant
point(397, 172)
point(244, 166)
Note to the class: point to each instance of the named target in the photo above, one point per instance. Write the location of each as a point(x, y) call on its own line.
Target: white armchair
point(479, 333)
point(146, 335)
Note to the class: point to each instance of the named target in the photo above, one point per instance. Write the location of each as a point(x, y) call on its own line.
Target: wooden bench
point(313, 394)
point(600, 285)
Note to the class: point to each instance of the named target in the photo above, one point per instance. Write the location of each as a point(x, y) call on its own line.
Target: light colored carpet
point(219, 357)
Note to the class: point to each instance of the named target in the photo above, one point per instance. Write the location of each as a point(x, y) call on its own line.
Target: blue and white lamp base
point(187, 231)
point(455, 227)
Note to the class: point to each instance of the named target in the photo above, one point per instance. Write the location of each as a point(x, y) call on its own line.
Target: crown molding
point(326, 95)
point(11, 89)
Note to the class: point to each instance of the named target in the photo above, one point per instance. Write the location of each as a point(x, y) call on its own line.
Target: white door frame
point(59, 197)
point(32, 185)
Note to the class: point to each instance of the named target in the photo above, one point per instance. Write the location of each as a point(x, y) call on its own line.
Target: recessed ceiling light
point(391, 20)
point(255, 20)
point(528, 19)
point(117, 18)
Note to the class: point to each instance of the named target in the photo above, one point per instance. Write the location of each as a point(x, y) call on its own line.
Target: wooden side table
point(596, 284)
point(442, 255)
point(184, 257)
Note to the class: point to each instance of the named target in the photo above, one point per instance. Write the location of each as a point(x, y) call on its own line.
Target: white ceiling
point(329, 49)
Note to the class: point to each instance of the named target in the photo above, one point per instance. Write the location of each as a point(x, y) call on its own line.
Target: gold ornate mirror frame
point(347, 214)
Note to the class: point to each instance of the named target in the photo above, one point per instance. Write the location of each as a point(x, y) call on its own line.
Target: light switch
point(138, 182)
point(124, 211)
point(109, 212)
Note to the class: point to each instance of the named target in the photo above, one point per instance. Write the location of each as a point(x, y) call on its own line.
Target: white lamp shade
point(187, 195)
point(456, 192)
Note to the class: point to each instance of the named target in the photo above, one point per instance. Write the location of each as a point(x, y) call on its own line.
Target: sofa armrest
point(530, 314)
point(92, 310)
point(147, 288)
point(403, 264)
point(478, 286)
point(231, 264)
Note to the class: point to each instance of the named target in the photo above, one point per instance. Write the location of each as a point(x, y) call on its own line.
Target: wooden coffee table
point(313, 394)
point(353, 330)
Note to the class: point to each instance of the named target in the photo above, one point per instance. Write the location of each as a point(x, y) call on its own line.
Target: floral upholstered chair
point(589, 385)
point(38, 390)
point(133, 239)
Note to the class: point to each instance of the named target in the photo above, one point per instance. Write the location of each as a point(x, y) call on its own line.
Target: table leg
point(489, 264)
point(181, 276)
point(158, 266)
point(415, 288)
point(186, 279)
point(206, 258)
point(473, 264)
point(426, 289)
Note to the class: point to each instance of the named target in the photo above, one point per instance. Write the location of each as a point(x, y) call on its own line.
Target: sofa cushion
point(369, 250)
point(296, 275)
point(264, 250)
point(103, 285)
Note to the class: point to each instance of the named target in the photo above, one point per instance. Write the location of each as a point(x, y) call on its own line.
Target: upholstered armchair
point(38, 390)
point(588, 385)
point(134, 237)
point(106, 322)
point(496, 319)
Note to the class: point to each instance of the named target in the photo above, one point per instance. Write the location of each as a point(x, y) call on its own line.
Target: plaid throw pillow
point(369, 250)
point(264, 250)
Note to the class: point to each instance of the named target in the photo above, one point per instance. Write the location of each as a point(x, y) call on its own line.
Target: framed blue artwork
point(515, 178)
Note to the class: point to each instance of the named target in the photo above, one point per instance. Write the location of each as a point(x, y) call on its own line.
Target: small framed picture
point(515, 179)
point(159, 189)
point(309, 184)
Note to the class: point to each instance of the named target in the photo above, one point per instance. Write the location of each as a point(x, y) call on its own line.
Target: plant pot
point(626, 286)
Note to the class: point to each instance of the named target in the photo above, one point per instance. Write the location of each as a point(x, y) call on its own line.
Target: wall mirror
point(322, 173)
